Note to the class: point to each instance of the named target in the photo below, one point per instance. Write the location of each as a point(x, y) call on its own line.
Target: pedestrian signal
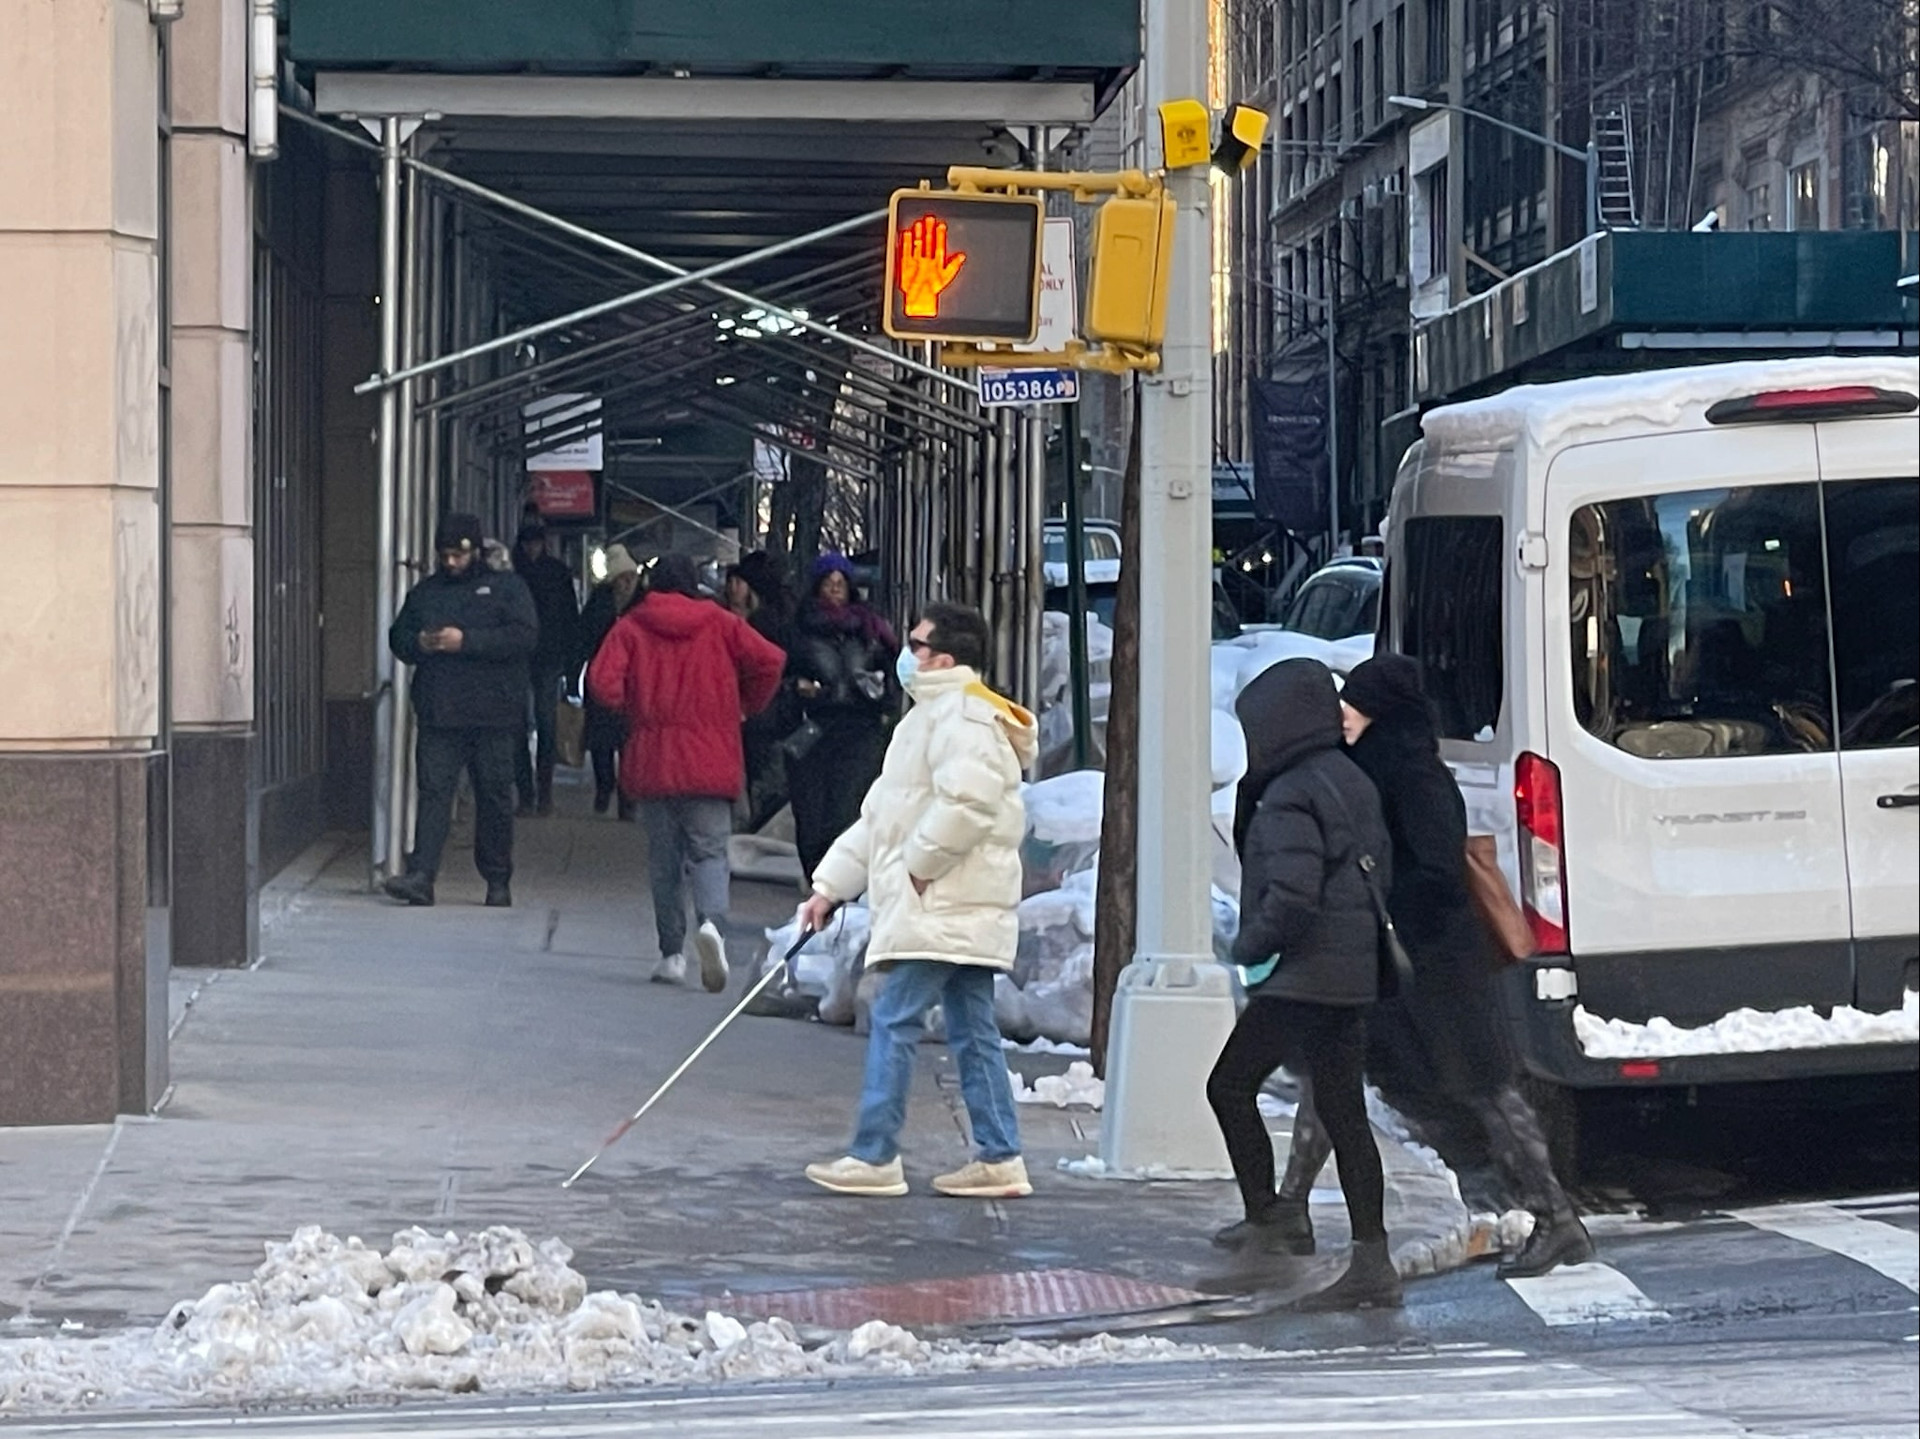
point(963, 268)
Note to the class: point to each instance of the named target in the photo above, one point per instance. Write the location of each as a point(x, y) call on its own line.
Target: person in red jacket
point(685, 671)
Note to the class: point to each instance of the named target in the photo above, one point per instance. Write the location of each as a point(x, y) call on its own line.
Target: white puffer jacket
point(946, 810)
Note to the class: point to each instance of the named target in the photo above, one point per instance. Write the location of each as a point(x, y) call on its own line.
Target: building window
point(1379, 74)
point(1437, 50)
point(1400, 50)
point(1759, 206)
point(1356, 70)
point(1335, 108)
point(1806, 196)
point(1438, 260)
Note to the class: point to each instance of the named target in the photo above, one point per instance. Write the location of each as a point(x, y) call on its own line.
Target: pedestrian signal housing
point(963, 268)
point(1132, 261)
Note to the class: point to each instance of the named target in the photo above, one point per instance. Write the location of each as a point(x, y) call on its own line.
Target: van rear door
point(1872, 513)
point(1689, 713)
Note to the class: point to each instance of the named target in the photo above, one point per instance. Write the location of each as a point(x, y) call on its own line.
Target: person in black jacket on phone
point(1310, 949)
point(1439, 1052)
point(468, 631)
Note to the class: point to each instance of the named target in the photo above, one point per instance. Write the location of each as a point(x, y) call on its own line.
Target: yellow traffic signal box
point(1132, 259)
point(963, 268)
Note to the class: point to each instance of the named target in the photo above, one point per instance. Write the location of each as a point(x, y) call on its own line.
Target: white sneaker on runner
point(672, 970)
point(848, 1175)
point(712, 950)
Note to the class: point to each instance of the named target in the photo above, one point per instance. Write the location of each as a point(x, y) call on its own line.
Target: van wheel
point(1559, 1110)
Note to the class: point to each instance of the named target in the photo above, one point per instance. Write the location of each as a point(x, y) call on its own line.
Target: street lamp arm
point(1411, 102)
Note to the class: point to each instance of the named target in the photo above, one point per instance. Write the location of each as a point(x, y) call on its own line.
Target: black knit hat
point(457, 531)
point(1385, 685)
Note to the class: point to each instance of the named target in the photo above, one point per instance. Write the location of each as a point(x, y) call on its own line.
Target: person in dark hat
point(1438, 1051)
point(558, 605)
point(468, 631)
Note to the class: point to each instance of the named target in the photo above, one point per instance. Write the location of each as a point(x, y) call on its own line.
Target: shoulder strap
point(1367, 864)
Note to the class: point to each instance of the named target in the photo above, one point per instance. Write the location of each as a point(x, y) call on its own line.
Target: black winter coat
point(1307, 815)
point(849, 658)
point(484, 686)
point(551, 584)
point(1452, 1011)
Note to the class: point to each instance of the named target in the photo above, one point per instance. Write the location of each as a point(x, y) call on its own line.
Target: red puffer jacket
point(684, 672)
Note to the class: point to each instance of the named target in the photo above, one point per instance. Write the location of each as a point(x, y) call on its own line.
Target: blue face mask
point(906, 665)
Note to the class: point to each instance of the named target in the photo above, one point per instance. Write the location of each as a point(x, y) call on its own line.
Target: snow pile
point(831, 960)
point(1078, 1086)
point(327, 1319)
point(1748, 1031)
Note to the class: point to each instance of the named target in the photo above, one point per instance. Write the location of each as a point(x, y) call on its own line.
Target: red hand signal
point(926, 269)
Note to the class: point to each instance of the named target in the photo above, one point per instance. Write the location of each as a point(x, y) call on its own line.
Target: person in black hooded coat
point(1438, 1052)
point(1306, 826)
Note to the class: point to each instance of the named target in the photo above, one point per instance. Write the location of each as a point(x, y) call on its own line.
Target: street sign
point(1059, 324)
point(1000, 388)
point(962, 268)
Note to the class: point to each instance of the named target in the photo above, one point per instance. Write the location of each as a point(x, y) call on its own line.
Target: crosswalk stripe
point(1887, 1248)
point(1591, 1293)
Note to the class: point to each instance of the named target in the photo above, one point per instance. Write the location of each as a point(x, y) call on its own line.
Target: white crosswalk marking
point(1591, 1293)
point(1887, 1248)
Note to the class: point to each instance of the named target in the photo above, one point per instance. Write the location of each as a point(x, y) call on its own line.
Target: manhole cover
point(1028, 1294)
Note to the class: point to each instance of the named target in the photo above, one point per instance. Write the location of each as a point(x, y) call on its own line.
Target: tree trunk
point(1117, 893)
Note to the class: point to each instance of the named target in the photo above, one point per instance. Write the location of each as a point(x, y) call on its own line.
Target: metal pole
point(1174, 1006)
point(1333, 411)
point(406, 486)
point(1593, 188)
point(1080, 683)
point(384, 861)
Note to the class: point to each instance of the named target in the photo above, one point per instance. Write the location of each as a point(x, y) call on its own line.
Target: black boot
point(602, 800)
point(1556, 1239)
point(543, 792)
point(1281, 1229)
point(1371, 1282)
point(1519, 1149)
point(410, 889)
point(499, 894)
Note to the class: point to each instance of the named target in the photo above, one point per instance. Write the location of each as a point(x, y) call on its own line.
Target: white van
point(1671, 625)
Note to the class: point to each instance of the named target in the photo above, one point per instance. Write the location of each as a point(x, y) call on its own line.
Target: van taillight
point(1543, 867)
point(1836, 402)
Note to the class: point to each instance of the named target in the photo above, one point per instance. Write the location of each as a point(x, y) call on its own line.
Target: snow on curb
point(1078, 1086)
point(1748, 1031)
point(327, 1319)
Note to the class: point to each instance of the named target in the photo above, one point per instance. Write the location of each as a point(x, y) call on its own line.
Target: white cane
point(687, 1063)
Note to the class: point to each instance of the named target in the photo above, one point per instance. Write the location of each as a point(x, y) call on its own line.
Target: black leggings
point(1326, 1045)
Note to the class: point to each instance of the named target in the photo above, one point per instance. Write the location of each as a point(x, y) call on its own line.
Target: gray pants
point(686, 835)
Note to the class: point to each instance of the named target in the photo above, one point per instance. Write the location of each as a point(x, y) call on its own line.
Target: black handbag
point(798, 745)
point(1396, 965)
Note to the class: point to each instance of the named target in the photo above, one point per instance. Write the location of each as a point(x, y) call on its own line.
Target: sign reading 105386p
point(963, 268)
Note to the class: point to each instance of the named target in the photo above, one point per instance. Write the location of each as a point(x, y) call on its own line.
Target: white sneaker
point(712, 950)
point(672, 970)
point(981, 1180)
point(848, 1175)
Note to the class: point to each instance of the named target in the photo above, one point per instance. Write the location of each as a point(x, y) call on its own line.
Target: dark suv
point(1338, 601)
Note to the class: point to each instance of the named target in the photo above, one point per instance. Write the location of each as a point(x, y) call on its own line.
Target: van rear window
point(1699, 623)
point(1451, 618)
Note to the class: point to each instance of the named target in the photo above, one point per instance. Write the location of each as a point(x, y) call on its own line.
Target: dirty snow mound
point(324, 1318)
point(1078, 1085)
point(1748, 1031)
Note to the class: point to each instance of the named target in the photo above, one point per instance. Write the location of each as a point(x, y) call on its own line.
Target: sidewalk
point(383, 1067)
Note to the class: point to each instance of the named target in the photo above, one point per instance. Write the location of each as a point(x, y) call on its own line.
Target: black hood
point(1289, 712)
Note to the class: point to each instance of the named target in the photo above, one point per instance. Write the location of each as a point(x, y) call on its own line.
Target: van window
point(1873, 560)
point(1451, 619)
point(1700, 623)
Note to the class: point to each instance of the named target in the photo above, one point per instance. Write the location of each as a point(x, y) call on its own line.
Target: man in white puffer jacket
point(936, 850)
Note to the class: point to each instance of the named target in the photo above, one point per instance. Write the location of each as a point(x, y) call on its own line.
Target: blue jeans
point(965, 993)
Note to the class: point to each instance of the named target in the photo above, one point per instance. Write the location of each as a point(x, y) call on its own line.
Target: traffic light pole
point(1174, 1006)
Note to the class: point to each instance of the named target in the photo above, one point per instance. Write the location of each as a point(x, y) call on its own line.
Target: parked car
point(1338, 601)
point(1670, 626)
point(1100, 549)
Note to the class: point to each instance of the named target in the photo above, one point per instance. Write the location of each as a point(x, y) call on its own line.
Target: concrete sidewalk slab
point(382, 1067)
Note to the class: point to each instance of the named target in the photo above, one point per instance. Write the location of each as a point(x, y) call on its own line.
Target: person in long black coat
point(606, 730)
point(1440, 1048)
point(1307, 826)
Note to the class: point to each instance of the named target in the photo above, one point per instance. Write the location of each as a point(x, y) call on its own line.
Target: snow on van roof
point(1649, 400)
